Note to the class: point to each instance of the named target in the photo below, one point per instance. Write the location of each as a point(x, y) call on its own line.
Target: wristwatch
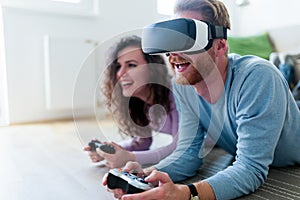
point(194, 193)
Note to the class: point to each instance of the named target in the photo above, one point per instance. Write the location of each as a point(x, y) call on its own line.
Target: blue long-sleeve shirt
point(256, 120)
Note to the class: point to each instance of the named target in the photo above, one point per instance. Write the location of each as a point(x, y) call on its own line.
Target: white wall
point(263, 15)
point(24, 32)
point(3, 86)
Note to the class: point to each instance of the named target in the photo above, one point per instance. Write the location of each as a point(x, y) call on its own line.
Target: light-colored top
point(141, 147)
point(256, 120)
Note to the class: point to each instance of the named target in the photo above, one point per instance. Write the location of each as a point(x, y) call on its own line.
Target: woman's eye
point(132, 65)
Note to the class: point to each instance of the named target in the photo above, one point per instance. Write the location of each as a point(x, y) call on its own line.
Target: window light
point(68, 1)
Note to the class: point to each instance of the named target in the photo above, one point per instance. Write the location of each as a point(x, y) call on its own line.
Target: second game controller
point(130, 183)
point(104, 147)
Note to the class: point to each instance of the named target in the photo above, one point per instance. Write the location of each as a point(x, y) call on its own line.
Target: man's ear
point(220, 47)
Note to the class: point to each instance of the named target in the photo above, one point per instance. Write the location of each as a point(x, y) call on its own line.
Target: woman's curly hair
point(131, 113)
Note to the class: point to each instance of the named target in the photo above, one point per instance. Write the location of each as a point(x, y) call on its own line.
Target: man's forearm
point(203, 188)
point(205, 191)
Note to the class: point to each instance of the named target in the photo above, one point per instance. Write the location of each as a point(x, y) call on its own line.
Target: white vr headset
point(180, 35)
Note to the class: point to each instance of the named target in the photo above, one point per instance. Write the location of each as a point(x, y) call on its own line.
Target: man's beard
point(191, 78)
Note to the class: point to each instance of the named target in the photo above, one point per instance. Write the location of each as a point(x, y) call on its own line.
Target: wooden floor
point(46, 162)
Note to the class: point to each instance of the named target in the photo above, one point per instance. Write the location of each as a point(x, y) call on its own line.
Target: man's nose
point(173, 56)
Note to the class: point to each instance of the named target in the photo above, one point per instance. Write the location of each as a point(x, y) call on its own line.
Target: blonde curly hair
point(131, 113)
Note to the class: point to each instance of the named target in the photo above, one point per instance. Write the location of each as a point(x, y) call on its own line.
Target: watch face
point(194, 197)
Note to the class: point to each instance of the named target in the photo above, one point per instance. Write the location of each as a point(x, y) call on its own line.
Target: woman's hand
point(119, 158)
point(94, 156)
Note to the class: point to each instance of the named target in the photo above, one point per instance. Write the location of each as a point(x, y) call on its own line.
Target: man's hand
point(166, 189)
point(131, 167)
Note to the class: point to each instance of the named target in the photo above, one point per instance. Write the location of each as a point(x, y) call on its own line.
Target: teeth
point(180, 65)
point(125, 83)
point(177, 66)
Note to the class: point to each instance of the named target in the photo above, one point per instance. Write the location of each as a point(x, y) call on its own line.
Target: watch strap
point(193, 190)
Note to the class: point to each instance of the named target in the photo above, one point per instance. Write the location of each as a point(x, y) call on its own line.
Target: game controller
point(130, 183)
point(104, 147)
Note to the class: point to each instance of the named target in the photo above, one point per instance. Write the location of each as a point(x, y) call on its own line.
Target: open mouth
point(180, 67)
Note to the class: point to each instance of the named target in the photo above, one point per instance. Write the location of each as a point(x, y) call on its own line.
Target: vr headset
point(180, 35)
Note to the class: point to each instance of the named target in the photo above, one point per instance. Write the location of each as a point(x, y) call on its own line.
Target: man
point(243, 103)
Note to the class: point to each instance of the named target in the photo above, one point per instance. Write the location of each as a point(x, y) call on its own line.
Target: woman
point(135, 81)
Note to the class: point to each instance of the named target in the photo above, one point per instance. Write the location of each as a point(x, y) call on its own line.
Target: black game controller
point(104, 147)
point(130, 183)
